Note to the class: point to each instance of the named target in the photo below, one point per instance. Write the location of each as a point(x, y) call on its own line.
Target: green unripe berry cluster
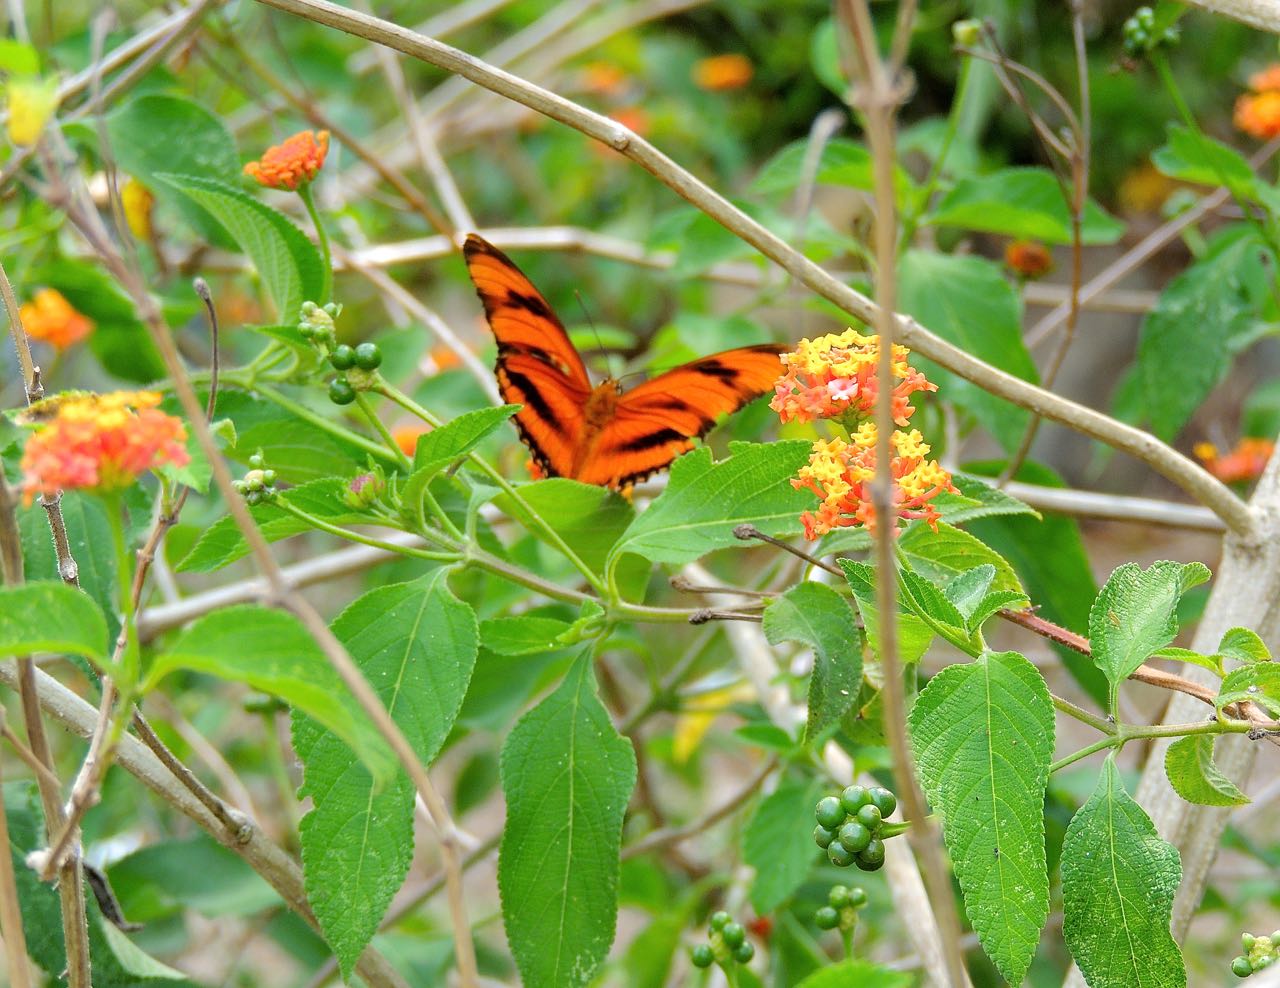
point(1142, 36)
point(849, 826)
point(842, 908)
point(727, 943)
point(361, 361)
point(316, 324)
point(259, 484)
point(1259, 952)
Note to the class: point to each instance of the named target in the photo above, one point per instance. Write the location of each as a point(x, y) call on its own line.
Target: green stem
point(451, 555)
point(1123, 735)
point(1075, 756)
point(322, 237)
point(912, 219)
point(730, 973)
point(846, 936)
point(1082, 715)
point(320, 422)
point(366, 407)
point(129, 668)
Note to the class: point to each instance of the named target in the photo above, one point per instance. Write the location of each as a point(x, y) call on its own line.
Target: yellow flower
point(137, 201)
point(31, 103)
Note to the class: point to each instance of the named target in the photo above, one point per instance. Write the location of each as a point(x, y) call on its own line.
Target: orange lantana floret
point(1240, 465)
point(293, 163)
point(1257, 113)
point(1268, 78)
point(50, 317)
point(834, 376)
point(720, 73)
point(100, 443)
point(1028, 258)
point(840, 473)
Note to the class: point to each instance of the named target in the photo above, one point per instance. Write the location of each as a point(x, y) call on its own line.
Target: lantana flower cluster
point(1240, 465)
point(100, 442)
point(1257, 112)
point(834, 377)
point(292, 163)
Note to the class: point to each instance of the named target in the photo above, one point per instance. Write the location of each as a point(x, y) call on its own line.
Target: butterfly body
point(599, 434)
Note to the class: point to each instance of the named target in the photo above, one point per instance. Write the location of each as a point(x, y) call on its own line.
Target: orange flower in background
point(50, 317)
point(100, 443)
point(406, 437)
point(835, 376)
point(1242, 464)
point(1257, 113)
point(721, 73)
point(293, 163)
point(840, 473)
point(603, 78)
point(634, 118)
point(1028, 258)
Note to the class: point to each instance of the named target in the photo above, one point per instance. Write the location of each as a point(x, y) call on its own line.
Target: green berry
point(256, 462)
point(743, 953)
point(854, 798)
point(830, 812)
point(733, 934)
point(702, 956)
point(827, 918)
point(822, 836)
point(341, 392)
point(342, 357)
point(719, 918)
point(857, 897)
point(838, 897)
point(1247, 940)
point(854, 836)
point(839, 856)
point(883, 800)
point(871, 858)
point(368, 356)
point(1275, 939)
point(1241, 967)
point(869, 817)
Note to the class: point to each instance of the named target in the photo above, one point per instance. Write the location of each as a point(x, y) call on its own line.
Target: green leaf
point(1196, 158)
point(287, 262)
point(567, 775)
point(524, 634)
point(968, 302)
point(843, 162)
point(1194, 776)
point(1259, 682)
point(18, 58)
point(444, 446)
point(51, 617)
point(1211, 662)
point(416, 643)
point(941, 556)
point(914, 635)
point(705, 501)
point(589, 519)
point(932, 606)
point(983, 738)
point(1244, 646)
point(169, 877)
point(856, 973)
point(968, 589)
point(977, 499)
point(222, 543)
point(157, 134)
point(1118, 883)
point(1021, 202)
point(1136, 613)
point(271, 651)
point(1210, 310)
point(817, 616)
point(778, 844)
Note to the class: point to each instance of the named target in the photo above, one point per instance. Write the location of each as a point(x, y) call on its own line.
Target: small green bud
point(1241, 967)
point(838, 897)
point(256, 462)
point(734, 934)
point(966, 32)
point(702, 955)
point(719, 918)
point(743, 953)
point(826, 918)
point(857, 897)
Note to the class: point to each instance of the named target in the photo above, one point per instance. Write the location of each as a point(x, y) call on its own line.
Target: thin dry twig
point(15, 938)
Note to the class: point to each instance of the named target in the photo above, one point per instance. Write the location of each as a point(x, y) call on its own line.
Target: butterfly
point(599, 434)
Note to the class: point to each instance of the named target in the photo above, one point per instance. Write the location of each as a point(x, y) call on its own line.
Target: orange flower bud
point(1028, 258)
point(50, 317)
point(721, 73)
point(293, 163)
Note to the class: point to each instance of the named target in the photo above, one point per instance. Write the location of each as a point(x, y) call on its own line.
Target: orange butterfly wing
point(597, 435)
point(657, 421)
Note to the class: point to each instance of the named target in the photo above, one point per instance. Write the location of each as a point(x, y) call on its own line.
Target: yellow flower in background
point(51, 318)
point(138, 202)
point(31, 103)
point(694, 721)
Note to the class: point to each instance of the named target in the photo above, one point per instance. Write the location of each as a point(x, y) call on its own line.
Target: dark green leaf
point(1118, 883)
point(567, 775)
point(588, 518)
point(778, 844)
point(51, 617)
point(943, 555)
point(914, 636)
point(1196, 158)
point(1194, 775)
point(166, 878)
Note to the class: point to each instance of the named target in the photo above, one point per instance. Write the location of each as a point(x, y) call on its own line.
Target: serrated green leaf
point(416, 643)
point(1021, 202)
point(1194, 157)
point(1136, 613)
point(968, 589)
point(444, 446)
point(843, 162)
point(1244, 646)
point(1259, 683)
point(567, 775)
point(943, 555)
point(855, 974)
point(914, 636)
point(983, 735)
point(222, 543)
point(931, 606)
point(523, 634)
point(705, 501)
point(272, 651)
point(977, 499)
point(778, 844)
point(1211, 662)
point(993, 602)
point(817, 616)
point(588, 518)
point(51, 617)
point(1224, 290)
point(1118, 883)
point(967, 301)
point(1194, 775)
point(287, 262)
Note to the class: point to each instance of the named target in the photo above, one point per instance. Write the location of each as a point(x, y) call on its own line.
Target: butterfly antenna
point(592, 323)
